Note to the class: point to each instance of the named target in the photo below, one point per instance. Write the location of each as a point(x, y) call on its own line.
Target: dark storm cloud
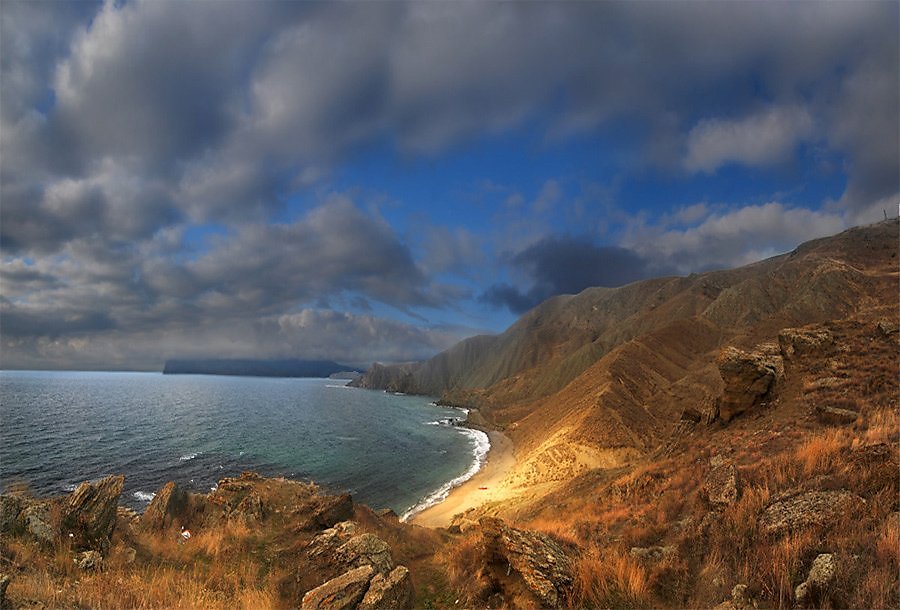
point(565, 265)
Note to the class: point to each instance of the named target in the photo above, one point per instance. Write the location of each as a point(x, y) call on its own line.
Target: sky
point(376, 181)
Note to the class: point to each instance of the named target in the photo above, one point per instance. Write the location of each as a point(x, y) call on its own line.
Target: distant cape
point(257, 368)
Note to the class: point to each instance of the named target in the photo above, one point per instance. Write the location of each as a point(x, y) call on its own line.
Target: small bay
point(390, 451)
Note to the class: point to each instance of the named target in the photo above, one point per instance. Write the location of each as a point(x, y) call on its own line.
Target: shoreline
point(471, 493)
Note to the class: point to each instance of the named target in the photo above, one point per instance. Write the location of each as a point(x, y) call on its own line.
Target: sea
point(394, 451)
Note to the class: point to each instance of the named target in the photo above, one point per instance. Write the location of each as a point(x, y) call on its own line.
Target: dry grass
point(606, 578)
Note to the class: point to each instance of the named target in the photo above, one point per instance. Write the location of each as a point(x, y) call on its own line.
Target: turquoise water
point(390, 451)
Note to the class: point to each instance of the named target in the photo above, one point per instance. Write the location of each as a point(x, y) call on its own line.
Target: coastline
point(499, 461)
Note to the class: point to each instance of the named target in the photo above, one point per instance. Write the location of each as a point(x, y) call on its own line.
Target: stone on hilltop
point(538, 559)
point(342, 593)
point(806, 509)
point(835, 416)
point(750, 378)
point(388, 592)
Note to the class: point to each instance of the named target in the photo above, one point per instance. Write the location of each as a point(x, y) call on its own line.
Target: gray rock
point(389, 592)
point(39, 523)
point(342, 593)
point(720, 486)
point(366, 549)
point(801, 341)
point(835, 416)
point(805, 509)
point(167, 509)
point(541, 562)
point(327, 541)
point(821, 574)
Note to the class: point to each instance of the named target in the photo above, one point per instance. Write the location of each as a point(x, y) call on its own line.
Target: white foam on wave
point(70, 487)
point(144, 496)
point(481, 444)
point(189, 456)
point(345, 386)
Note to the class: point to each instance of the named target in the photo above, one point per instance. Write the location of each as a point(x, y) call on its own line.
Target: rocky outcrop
point(342, 593)
point(38, 521)
point(803, 341)
point(740, 599)
point(10, 508)
point(750, 378)
point(806, 509)
point(540, 561)
point(821, 574)
point(835, 416)
point(720, 486)
point(388, 592)
point(332, 510)
point(168, 508)
point(365, 550)
point(89, 516)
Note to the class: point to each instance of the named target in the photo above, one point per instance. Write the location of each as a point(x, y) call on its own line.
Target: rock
point(168, 508)
point(802, 341)
point(327, 541)
point(821, 574)
point(387, 513)
point(389, 592)
point(538, 559)
point(342, 593)
point(251, 508)
point(10, 509)
point(39, 522)
point(835, 416)
point(4, 583)
point(720, 487)
point(334, 509)
point(90, 513)
point(740, 599)
point(691, 415)
point(652, 554)
point(750, 378)
point(366, 549)
point(805, 509)
point(888, 327)
point(130, 554)
point(89, 560)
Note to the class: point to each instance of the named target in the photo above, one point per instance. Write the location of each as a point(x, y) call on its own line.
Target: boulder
point(90, 513)
point(802, 341)
point(89, 560)
point(389, 592)
point(750, 378)
point(720, 486)
point(168, 508)
point(365, 549)
point(540, 561)
point(326, 511)
point(38, 521)
point(691, 415)
point(888, 327)
point(342, 593)
point(327, 541)
point(10, 509)
point(821, 574)
point(740, 599)
point(835, 416)
point(805, 509)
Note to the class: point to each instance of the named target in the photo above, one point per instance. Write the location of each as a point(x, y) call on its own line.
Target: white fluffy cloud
point(763, 138)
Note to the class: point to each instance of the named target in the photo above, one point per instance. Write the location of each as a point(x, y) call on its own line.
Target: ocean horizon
point(388, 450)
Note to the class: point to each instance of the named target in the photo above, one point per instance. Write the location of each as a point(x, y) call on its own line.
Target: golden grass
point(606, 578)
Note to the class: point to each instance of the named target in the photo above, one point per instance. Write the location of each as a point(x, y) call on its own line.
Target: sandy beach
point(500, 459)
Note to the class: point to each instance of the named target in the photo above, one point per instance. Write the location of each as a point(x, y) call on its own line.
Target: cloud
point(731, 238)
point(763, 138)
point(566, 265)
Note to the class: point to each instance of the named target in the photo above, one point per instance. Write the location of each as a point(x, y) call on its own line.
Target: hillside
point(729, 440)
